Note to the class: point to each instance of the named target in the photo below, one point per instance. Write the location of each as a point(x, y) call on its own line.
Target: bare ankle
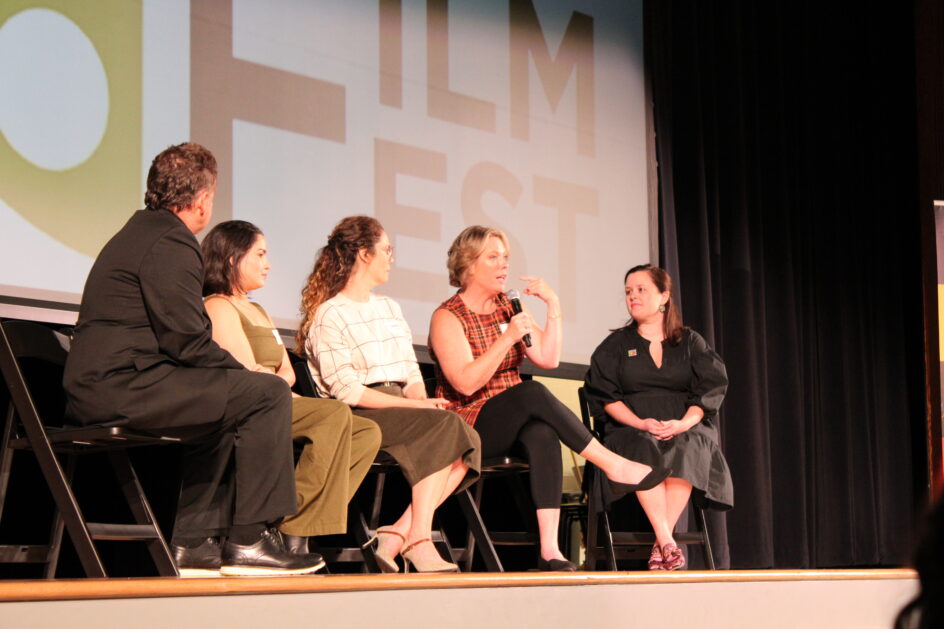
point(553, 553)
point(665, 538)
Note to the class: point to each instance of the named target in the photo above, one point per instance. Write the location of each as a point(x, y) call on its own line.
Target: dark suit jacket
point(142, 352)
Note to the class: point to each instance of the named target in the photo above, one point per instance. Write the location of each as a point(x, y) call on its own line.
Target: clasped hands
point(664, 430)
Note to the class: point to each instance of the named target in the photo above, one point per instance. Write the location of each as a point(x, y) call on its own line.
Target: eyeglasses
point(388, 250)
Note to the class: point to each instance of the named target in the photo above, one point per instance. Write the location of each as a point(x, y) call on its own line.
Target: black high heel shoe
point(653, 478)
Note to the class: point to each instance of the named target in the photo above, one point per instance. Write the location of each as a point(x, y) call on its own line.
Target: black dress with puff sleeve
point(692, 374)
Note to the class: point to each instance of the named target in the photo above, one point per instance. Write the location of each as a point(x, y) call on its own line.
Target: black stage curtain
point(786, 146)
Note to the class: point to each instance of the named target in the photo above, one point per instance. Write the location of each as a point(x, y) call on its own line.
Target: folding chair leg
point(600, 535)
point(68, 507)
point(593, 519)
point(58, 526)
point(376, 503)
point(6, 456)
point(470, 538)
point(478, 534)
point(55, 546)
point(590, 562)
point(359, 528)
point(441, 540)
point(706, 543)
point(141, 510)
point(602, 521)
point(69, 510)
point(608, 540)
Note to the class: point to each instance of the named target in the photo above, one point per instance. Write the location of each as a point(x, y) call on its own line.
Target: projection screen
point(524, 115)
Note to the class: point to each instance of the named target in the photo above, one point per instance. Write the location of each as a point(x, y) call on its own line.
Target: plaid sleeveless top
point(481, 331)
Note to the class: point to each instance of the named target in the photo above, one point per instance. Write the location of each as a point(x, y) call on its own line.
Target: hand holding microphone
point(515, 298)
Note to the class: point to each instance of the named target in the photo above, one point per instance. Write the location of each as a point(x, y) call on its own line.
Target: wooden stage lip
point(118, 588)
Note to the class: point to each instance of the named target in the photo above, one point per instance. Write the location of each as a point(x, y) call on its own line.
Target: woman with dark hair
point(476, 343)
point(339, 447)
point(659, 386)
point(360, 351)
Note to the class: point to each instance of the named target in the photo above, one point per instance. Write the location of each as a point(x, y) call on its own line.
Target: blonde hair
point(333, 267)
point(466, 248)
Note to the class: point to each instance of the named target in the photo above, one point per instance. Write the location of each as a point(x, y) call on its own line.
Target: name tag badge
point(502, 327)
point(278, 337)
point(631, 353)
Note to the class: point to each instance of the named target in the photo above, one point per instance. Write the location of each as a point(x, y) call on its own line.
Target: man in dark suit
point(143, 356)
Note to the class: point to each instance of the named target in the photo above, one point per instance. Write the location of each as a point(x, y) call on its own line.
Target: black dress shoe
point(202, 561)
point(266, 557)
point(655, 476)
point(295, 544)
point(556, 565)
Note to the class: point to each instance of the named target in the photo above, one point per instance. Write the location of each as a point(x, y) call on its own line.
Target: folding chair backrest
point(586, 413)
point(31, 340)
point(32, 358)
point(304, 383)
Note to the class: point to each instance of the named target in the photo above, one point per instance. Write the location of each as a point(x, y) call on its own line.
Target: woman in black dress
point(658, 385)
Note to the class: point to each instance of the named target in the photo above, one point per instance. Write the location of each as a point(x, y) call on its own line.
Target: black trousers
point(528, 418)
point(239, 469)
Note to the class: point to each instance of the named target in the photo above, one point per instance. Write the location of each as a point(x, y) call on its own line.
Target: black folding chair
point(32, 357)
point(605, 545)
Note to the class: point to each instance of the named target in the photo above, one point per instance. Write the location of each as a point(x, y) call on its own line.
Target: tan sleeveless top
point(266, 349)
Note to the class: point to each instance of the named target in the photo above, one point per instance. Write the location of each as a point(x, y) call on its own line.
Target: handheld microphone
point(515, 298)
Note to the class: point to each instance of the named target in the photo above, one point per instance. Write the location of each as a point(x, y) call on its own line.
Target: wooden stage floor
point(755, 598)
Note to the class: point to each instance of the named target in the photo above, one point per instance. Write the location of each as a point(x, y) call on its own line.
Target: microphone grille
point(513, 294)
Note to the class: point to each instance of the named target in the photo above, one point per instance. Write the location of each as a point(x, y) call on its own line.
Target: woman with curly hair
point(360, 351)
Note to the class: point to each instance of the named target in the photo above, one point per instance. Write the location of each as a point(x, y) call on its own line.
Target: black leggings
point(529, 415)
